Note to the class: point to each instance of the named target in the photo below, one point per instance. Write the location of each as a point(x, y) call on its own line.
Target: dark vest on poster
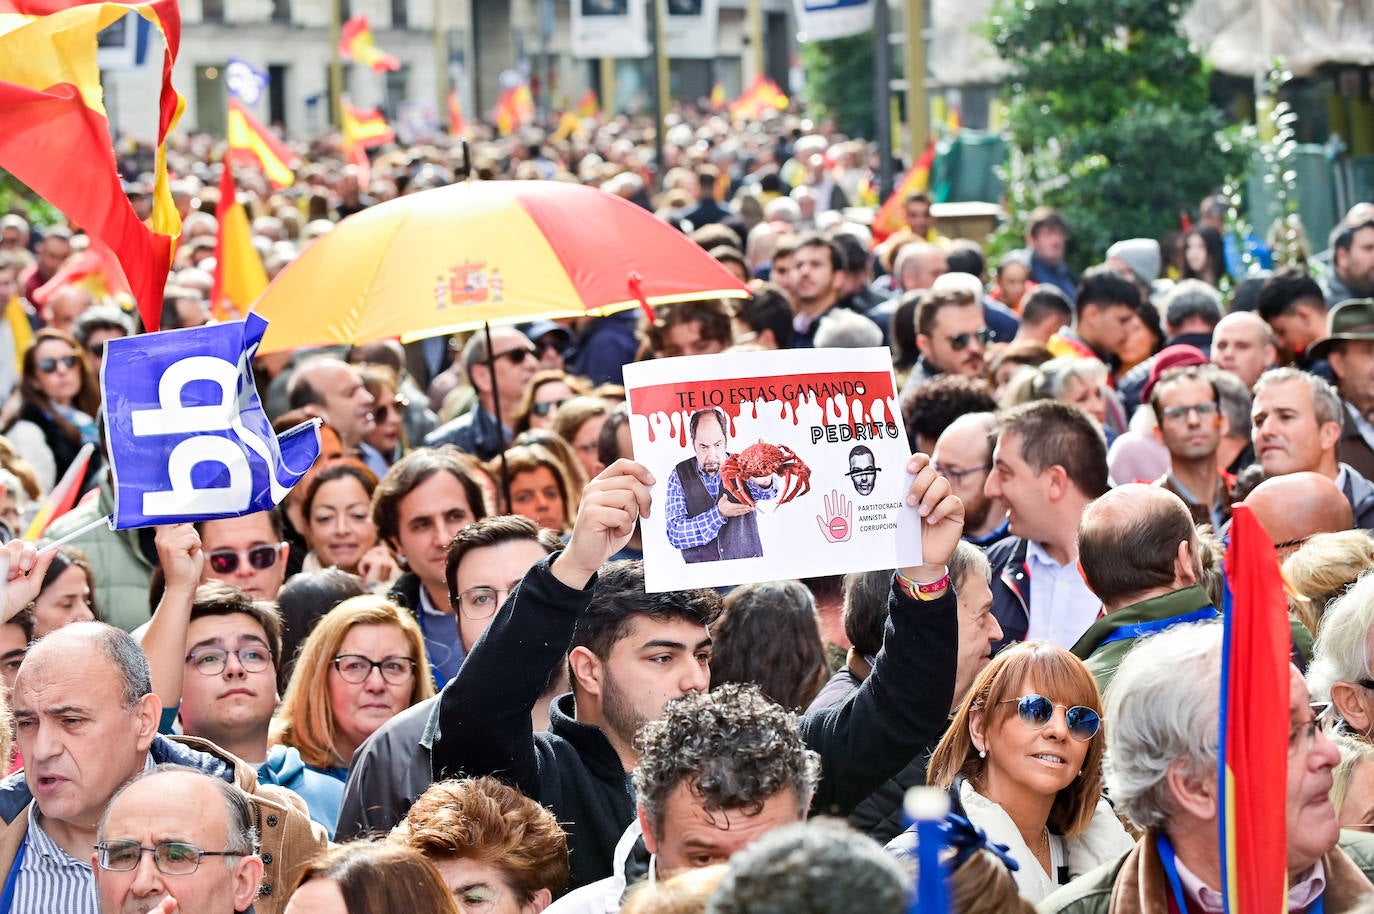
point(738, 539)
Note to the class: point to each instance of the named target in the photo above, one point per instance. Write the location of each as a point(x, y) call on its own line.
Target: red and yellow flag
point(55, 134)
point(361, 131)
point(718, 96)
point(239, 274)
point(356, 44)
point(514, 109)
point(891, 217)
point(761, 95)
point(1254, 723)
point(456, 125)
point(250, 143)
point(96, 269)
point(588, 105)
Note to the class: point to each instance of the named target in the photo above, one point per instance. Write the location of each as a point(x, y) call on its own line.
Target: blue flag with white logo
point(187, 436)
point(245, 82)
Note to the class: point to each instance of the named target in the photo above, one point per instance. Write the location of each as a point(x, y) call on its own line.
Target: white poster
point(609, 28)
point(771, 465)
point(690, 28)
point(821, 20)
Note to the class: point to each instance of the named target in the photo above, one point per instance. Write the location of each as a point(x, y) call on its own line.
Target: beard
point(976, 512)
point(623, 719)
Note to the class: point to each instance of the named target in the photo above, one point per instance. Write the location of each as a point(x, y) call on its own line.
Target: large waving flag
point(361, 131)
point(891, 215)
point(239, 274)
point(357, 44)
point(250, 143)
point(761, 95)
point(187, 436)
point(1254, 724)
point(55, 134)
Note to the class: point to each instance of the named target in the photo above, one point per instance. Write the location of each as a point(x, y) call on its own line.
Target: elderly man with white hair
point(1161, 772)
point(1340, 670)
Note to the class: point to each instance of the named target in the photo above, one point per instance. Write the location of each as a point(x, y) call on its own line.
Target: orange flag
point(250, 143)
point(891, 215)
point(239, 274)
point(718, 96)
point(361, 131)
point(456, 125)
point(356, 43)
point(55, 134)
point(761, 95)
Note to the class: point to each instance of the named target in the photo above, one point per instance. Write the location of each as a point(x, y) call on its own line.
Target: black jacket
point(1011, 590)
point(484, 716)
point(389, 771)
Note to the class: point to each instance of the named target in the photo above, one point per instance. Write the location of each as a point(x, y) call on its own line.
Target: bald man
point(1243, 344)
point(1293, 507)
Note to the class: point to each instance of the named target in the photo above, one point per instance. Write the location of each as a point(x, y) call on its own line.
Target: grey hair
point(843, 329)
point(819, 867)
point(1341, 651)
point(117, 646)
point(966, 560)
point(243, 834)
point(1163, 705)
point(732, 747)
point(1190, 298)
point(1049, 381)
point(1235, 402)
point(1326, 403)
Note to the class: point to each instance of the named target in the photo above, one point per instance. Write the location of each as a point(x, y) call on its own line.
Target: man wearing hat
point(1349, 347)
point(552, 341)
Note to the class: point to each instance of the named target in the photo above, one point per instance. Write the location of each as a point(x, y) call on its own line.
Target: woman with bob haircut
point(540, 486)
point(498, 851)
point(1022, 760)
point(370, 878)
point(363, 664)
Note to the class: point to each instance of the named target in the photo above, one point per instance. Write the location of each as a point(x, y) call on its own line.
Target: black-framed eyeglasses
point(518, 355)
point(478, 603)
point(1036, 711)
point(226, 561)
point(211, 661)
point(543, 409)
point(959, 341)
point(355, 668)
point(958, 475)
point(48, 366)
point(173, 858)
point(398, 404)
point(1204, 411)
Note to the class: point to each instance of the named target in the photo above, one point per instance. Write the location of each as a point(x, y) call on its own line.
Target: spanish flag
point(239, 274)
point(456, 125)
point(361, 131)
point(356, 44)
point(588, 105)
point(55, 134)
point(250, 143)
point(1254, 723)
point(718, 96)
point(96, 269)
point(761, 95)
point(891, 217)
point(513, 109)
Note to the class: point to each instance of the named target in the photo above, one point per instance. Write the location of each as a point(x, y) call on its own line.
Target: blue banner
point(244, 81)
point(187, 436)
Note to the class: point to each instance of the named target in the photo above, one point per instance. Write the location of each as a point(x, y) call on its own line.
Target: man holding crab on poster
point(710, 510)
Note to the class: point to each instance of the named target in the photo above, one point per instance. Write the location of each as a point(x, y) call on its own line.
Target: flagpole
point(660, 86)
point(882, 87)
point(335, 62)
point(79, 531)
point(440, 61)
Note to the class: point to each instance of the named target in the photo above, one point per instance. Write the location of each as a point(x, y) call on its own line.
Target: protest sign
point(771, 465)
point(187, 436)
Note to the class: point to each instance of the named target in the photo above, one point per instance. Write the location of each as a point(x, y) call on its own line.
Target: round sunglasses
point(1036, 711)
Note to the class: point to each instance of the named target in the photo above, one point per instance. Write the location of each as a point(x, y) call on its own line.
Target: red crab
point(764, 460)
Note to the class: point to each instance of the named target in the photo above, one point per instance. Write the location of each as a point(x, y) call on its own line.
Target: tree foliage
point(839, 82)
point(1110, 118)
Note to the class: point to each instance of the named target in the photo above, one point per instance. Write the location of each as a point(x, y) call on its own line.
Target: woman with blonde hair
point(363, 664)
point(1022, 760)
point(1323, 568)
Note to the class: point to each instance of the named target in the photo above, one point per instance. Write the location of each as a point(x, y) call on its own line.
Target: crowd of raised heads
point(432, 679)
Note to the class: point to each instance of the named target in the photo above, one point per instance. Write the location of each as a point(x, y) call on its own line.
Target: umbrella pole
point(496, 402)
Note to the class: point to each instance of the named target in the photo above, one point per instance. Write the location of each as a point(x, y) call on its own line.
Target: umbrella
point(458, 257)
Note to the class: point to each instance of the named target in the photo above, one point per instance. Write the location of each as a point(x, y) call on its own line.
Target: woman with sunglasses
point(546, 391)
point(58, 401)
point(1022, 760)
point(362, 665)
point(385, 443)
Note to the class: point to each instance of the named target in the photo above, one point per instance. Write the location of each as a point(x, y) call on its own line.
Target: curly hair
point(485, 820)
point(732, 748)
point(620, 597)
point(932, 405)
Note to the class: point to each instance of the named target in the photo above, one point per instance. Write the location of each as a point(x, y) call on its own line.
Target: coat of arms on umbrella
point(468, 284)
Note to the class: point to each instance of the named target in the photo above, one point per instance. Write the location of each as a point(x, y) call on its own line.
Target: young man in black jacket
point(629, 653)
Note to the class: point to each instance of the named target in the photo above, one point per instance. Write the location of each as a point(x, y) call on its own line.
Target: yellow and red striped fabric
point(250, 143)
point(55, 134)
point(357, 44)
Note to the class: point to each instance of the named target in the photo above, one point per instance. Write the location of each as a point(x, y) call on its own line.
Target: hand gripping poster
point(771, 465)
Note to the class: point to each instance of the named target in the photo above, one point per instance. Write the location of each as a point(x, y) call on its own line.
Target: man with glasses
point(248, 552)
point(213, 652)
point(515, 361)
point(86, 718)
point(951, 335)
point(177, 833)
point(392, 768)
point(1163, 741)
point(963, 455)
point(1187, 407)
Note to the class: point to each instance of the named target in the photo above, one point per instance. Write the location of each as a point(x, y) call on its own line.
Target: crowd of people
point(432, 679)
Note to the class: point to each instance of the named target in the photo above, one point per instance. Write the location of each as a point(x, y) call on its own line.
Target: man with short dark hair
point(691, 328)
point(1045, 310)
point(1292, 304)
point(1046, 240)
point(1352, 263)
point(765, 318)
point(814, 282)
point(1106, 304)
point(248, 552)
point(171, 813)
point(951, 334)
point(1050, 462)
point(1190, 425)
point(863, 469)
point(704, 520)
point(498, 392)
point(392, 767)
point(631, 652)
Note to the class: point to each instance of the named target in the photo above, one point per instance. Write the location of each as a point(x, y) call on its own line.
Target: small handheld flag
point(357, 44)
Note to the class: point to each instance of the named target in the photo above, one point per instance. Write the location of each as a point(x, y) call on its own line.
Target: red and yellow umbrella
point(457, 257)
